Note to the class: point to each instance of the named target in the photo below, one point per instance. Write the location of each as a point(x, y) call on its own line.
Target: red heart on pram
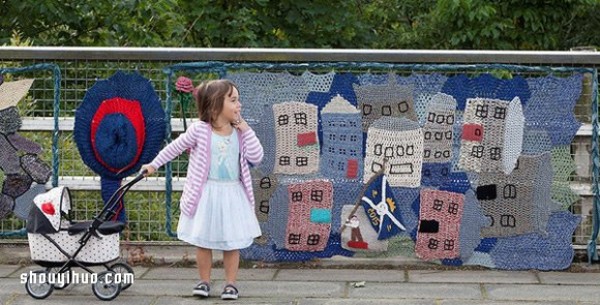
point(48, 208)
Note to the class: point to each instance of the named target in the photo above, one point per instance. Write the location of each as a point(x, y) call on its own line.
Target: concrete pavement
point(312, 286)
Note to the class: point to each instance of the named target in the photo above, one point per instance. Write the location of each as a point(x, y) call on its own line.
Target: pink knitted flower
point(184, 84)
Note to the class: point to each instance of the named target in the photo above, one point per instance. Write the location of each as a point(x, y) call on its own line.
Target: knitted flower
point(184, 85)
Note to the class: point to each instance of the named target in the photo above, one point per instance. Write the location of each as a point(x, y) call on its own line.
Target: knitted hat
point(12, 92)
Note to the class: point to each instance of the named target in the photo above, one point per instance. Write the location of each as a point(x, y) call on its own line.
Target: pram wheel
point(106, 288)
point(123, 269)
point(66, 277)
point(38, 285)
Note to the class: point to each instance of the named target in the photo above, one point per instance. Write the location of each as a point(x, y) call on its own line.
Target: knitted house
point(387, 100)
point(439, 226)
point(297, 143)
point(399, 141)
point(342, 140)
point(518, 203)
point(309, 220)
point(492, 135)
point(437, 131)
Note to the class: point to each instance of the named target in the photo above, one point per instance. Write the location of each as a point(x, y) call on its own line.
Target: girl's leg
point(204, 263)
point(231, 260)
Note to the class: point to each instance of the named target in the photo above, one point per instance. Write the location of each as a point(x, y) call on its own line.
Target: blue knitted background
point(549, 122)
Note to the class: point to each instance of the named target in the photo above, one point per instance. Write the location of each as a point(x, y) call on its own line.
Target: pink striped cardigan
point(197, 139)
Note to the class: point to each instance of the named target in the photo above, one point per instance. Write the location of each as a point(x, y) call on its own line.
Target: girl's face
point(232, 107)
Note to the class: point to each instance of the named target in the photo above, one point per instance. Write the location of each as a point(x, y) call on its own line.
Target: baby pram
point(59, 245)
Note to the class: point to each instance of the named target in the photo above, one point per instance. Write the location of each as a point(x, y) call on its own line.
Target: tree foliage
point(391, 24)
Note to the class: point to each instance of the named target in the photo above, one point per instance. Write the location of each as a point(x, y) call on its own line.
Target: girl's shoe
point(229, 293)
point(201, 290)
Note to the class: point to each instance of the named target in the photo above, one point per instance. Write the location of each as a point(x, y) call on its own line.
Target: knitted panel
point(264, 186)
point(318, 82)
point(293, 121)
point(457, 182)
point(551, 251)
point(400, 141)
point(12, 92)
point(473, 220)
point(7, 204)
point(486, 86)
point(536, 141)
point(381, 206)
point(278, 215)
point(518, 203)
point(24, 144)
point(344, 193)
point(398, 246)
point(426, 87)
point(457, 136)
point(481, 259)
point(437, 130)
point(9, 163)
point(10, 120)
point(408, 204)
point(358, 234)
point(388, 100)
point(342, 140)
point(513, 135)
point(37, 169)
point(258, 99)
point(439, 227)
point(377, 79)
point(484, 135)
point(563, 166)
point(304, 232)
point(24, 202)
point(16, 185)
point(551, 106)
point(435, 174)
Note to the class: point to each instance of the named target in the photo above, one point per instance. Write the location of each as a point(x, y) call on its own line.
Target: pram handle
point(108, 210)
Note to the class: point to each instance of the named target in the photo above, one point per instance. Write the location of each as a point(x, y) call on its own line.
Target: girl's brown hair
point(210, 96)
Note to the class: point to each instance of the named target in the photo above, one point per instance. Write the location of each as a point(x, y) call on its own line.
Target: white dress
point(224, 219)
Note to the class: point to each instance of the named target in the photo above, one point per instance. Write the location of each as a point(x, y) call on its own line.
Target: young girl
point(217, 203)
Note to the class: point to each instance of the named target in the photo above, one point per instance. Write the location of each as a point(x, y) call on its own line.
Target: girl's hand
point(241, 124)
point(149, 169)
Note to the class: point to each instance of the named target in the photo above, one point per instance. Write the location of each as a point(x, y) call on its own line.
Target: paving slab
point(526, 292)
point(488, 302)
point(569, 278)
point(6, 270)
point(217, 274)
point(76, 300)
point(216, 300)
point(417, 290)
point(341, 275)
point(356, 301)
point(477, 276)
point(275, 290)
